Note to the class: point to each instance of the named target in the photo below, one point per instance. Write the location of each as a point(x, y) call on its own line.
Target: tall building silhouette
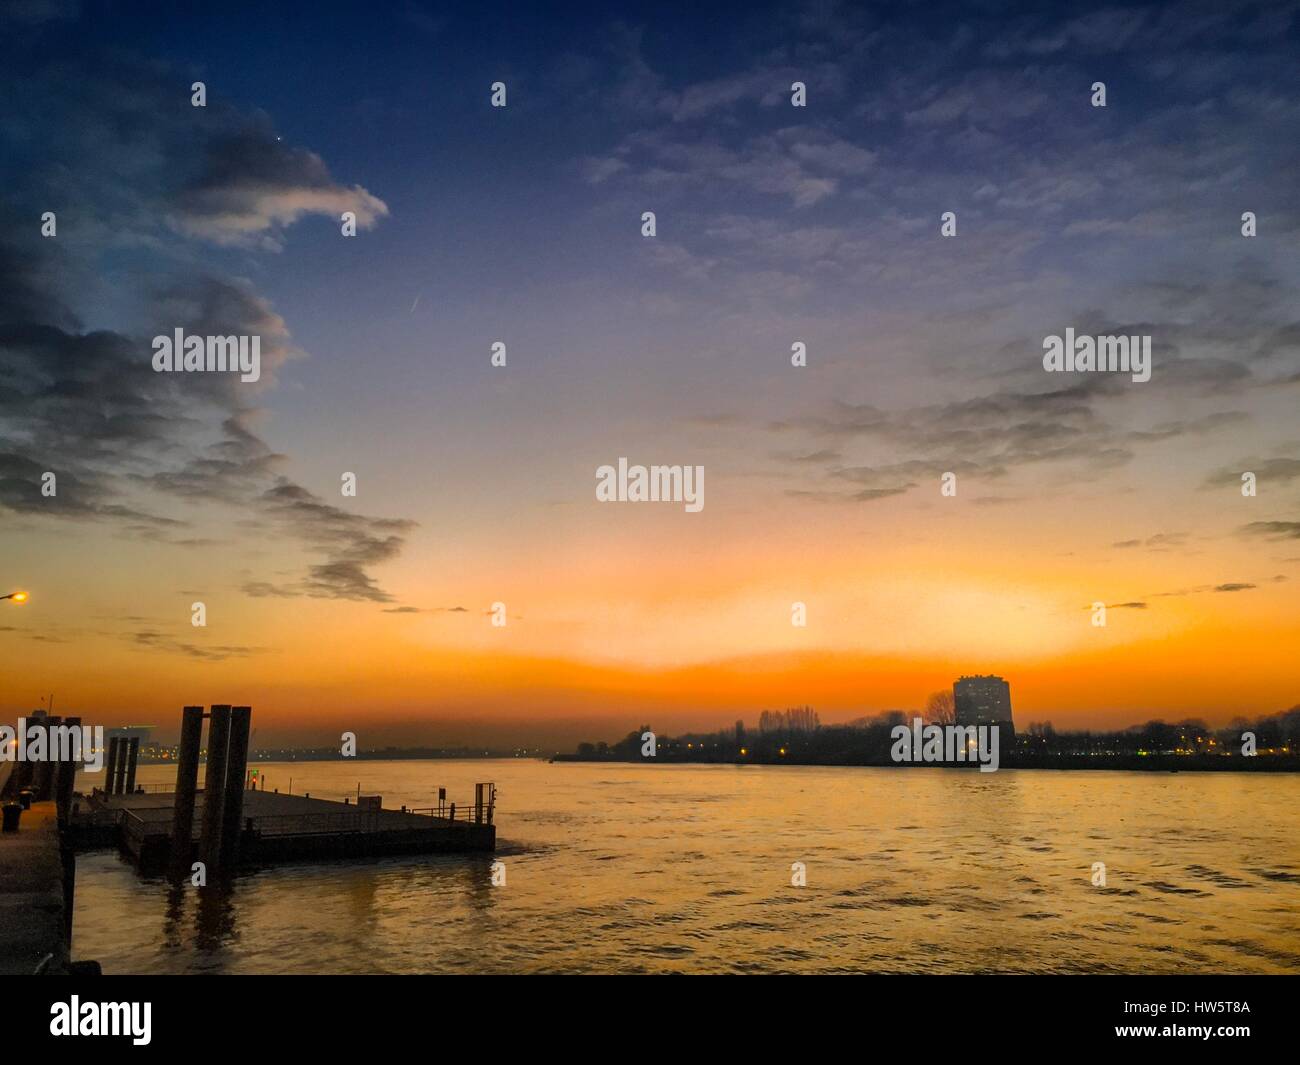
point(983, 700)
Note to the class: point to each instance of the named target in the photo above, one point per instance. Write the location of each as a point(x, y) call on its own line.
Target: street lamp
point(17, 597)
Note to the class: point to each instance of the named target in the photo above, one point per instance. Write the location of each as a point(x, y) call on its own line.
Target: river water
point(672, 868)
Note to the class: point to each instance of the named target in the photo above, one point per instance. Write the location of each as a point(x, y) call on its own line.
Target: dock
point(37, 859)
point(286, 828)
point(35, 895)
point(240, 826)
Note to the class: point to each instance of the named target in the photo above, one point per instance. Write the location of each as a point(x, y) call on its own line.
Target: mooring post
point(187, 779)
point(44, 786)
point(214, 784)
point(110, 770)
point(232, 818)
point(65, 775)
point(132, 760)
point(123, 756)
point(22, 772)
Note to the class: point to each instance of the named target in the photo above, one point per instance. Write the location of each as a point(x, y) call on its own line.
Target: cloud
point(1229, 586)
point(127, 445)
point(252, 185)
point(1189, 427)
point(804, 164)
point(705, 97)
point(862, 495)
point(209, 653)
point(1273, 530)
point(267, 590)
point(352, 543)
point(598, 169)
point(1267, 471)
point(982, 437)
point(819, 456)
point(1157, 541)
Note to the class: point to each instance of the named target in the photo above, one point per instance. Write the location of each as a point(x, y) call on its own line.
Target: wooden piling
point(66, 775)
point(22, 771)
point(187, 779)
point(43, 784)
point(110, 770)
point(123, 756)
point(232, 818)
point(132, 760)
point(214, 784)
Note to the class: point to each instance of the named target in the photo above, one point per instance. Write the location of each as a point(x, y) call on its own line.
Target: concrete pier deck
point(35, 888)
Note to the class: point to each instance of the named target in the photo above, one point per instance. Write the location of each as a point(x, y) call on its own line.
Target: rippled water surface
point(628, 868)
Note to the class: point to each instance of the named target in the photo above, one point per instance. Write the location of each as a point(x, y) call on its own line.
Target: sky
point(775, 224)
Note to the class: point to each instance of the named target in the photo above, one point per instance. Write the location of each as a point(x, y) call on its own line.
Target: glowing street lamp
point(17, 597)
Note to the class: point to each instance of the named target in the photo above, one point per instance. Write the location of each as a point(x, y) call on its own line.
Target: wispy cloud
point(157, 641)
point(1273, 530)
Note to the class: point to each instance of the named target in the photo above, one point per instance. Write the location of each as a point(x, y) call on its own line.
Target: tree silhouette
point(940, 709)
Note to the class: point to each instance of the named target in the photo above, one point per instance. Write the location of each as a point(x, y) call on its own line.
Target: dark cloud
point(862, 495)
point(1191, 427)
point(1227, 586)
point(351, 543)
point(251, 185)
point(209, 653)
point(1157, 541)
point(819, 456)
point(1266, 471)
point(1274, 530)
point(267, 590)
point(428, 610)
point(983, 437)
point(128, 445)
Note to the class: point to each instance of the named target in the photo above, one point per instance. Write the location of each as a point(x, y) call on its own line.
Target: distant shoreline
point(413, 755)
point(1152, 763)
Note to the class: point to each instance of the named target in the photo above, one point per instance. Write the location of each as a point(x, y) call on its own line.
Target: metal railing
point(466, 813)
point(356, 819)
point(133, 826)
point(311, 824)
point(98, 818)
point(140, 789)
point(363, 820)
